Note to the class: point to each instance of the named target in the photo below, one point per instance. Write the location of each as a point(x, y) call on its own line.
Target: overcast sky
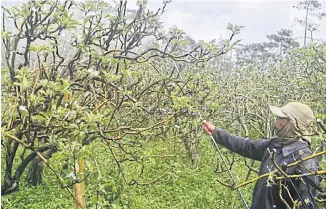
point(208, 19)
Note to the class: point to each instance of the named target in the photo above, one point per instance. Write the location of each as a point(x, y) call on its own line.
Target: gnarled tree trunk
point(34, 175)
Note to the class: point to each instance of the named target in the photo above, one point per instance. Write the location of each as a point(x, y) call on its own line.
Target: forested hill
point(102, 106)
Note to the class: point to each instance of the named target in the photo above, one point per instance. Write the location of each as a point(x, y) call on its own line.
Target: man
point(291, 143)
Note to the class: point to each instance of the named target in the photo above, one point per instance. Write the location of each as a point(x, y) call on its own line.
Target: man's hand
point(208, 127)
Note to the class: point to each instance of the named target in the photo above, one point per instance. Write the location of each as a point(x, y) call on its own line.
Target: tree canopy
point(101, 106)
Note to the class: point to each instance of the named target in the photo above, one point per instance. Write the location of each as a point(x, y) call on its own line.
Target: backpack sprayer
point(224, 162)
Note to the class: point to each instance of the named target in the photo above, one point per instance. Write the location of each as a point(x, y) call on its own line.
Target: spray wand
point(224, 162)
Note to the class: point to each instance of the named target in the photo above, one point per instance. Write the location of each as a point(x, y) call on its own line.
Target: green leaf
point(38, 118)
point(235, 43)
point(6, 34)
point(230, 27)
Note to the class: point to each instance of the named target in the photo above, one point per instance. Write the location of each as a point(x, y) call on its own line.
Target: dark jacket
point(266, 195)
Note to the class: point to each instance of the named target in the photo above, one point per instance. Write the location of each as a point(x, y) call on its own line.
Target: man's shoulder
point(297, 148)
point(274, 141)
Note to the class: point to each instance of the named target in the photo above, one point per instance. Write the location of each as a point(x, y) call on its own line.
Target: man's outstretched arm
point(253, 149)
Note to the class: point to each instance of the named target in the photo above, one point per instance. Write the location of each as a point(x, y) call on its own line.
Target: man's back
point(288, 192)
